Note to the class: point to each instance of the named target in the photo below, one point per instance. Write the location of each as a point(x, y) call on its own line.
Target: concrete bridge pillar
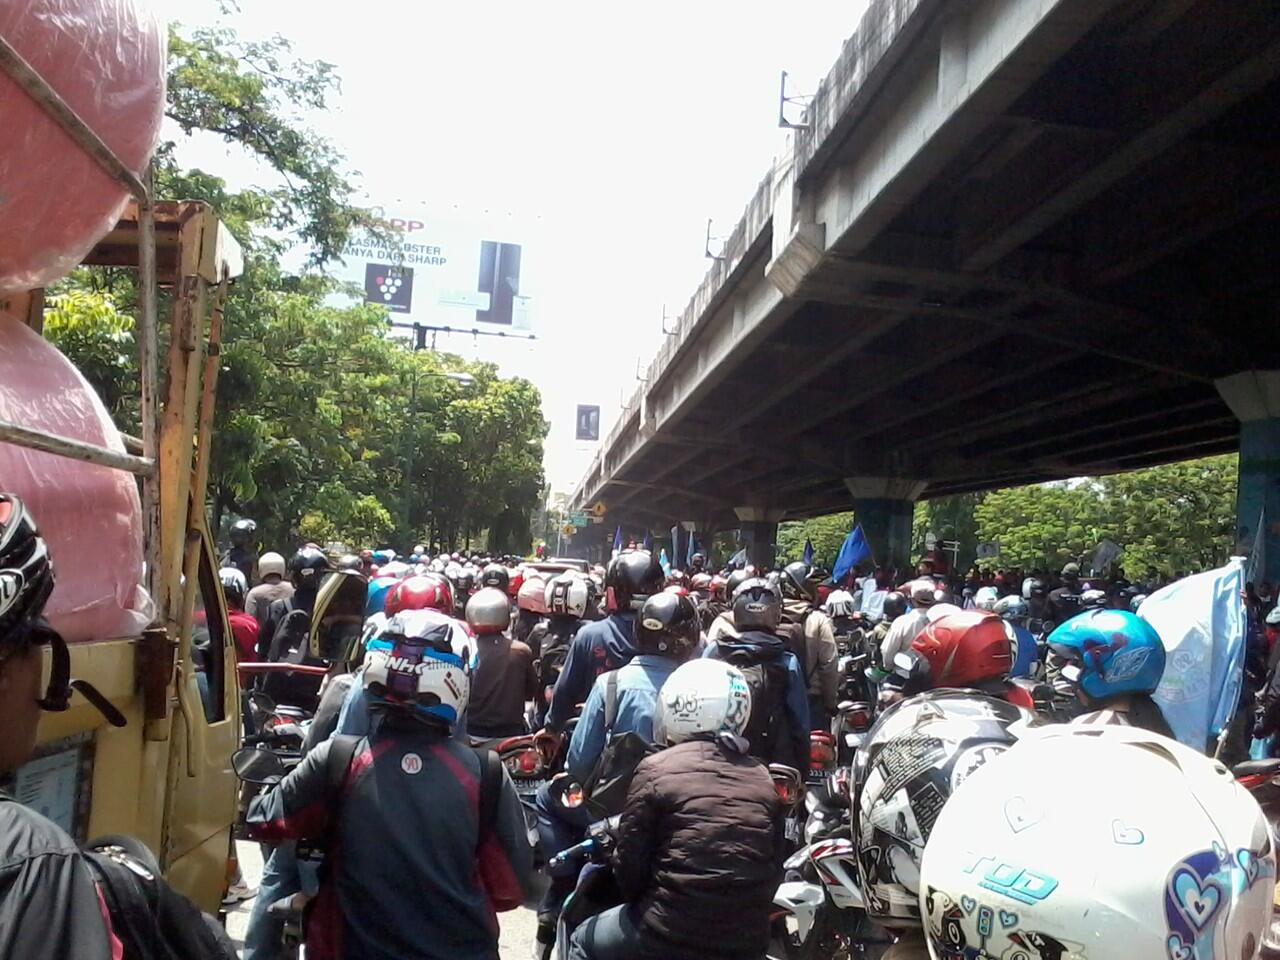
point(759, 533)
point(884, 506)
point(1254, 397)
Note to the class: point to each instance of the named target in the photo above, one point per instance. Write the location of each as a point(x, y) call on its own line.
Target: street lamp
point(462, 379)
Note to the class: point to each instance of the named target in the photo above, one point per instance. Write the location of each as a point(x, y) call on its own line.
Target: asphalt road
point(515, 942)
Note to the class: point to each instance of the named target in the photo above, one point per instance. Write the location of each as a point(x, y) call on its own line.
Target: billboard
point(588, 423)
point(440, 272)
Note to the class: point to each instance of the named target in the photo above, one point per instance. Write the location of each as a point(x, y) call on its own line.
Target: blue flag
point(1202, 621)
point(808, 552)
point(688, 557)
point(739, 559)
point(675, 544)
point(663, 562)
point(648, 540)
point(852, 552)
point(617, 541)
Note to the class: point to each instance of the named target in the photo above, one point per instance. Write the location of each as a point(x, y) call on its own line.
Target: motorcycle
point(790, 788)
point(852, 721)
point(1262, 779)
point(827, 804)
point(822, 756)
point(529, 767)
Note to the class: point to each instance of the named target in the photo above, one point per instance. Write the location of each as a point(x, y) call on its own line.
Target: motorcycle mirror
point(904, 662)
point(262, 702)
point(573, 796)
point(257, 766)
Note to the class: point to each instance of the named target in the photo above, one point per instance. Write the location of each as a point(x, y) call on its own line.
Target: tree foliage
point(326, 427)
point(827, 534)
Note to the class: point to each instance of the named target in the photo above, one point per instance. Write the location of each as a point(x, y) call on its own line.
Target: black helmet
point(497, 576)
point(734, 581)
point(306, 568)
point(797, 582)
point(698, 560)
point(667, 626)
point(756, 606)
point(632, 578)
point(26, 573)
point(349, 561)
point(895, 605)
point(242, 532)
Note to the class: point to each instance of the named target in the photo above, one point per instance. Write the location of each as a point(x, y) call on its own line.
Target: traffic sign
point(597, 508)
point(578, 518)
point(568, 529)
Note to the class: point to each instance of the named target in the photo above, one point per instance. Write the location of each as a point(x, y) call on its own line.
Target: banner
point(440, 272)
point(1105, 555)
point(588, 423)
point(1201, 620)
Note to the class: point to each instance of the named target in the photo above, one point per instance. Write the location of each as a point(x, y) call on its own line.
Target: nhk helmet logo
point(416, 667)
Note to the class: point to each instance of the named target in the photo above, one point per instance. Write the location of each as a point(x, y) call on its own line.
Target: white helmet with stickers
point(421, 663)
point(917, 753)
point(702, 698)
point(1098, 843)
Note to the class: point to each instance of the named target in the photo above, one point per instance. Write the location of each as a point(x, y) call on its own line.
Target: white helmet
point(569, 595)
point(700, 698)
point(985, 598)
point(421, 662)
point(269, 563)
point(1110, 843)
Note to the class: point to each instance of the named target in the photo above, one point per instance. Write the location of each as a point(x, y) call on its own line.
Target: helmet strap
point(57, 697)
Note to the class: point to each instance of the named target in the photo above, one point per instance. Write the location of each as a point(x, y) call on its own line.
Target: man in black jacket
point(699, 844)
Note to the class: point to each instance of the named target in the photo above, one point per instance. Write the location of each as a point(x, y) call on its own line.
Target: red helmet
point(532, 595)
point(717, 586)
point(422, 592)
point(514, 582)
point(965, 648)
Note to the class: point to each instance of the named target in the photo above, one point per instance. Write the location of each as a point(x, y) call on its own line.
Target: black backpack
point(606, 788)
point(767, 730)
point(151, 919)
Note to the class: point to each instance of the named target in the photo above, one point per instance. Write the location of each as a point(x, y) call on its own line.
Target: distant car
point(554, 565)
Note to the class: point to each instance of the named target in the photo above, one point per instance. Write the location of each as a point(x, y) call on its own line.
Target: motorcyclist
point(1040, 615)
point(813, 640)
point(271, 568)
point(839, 606)
point(495, 575)
point(1014, 611)
point(778, 731)
point(532, 604)
point(244, 628)
point(699, 842)
point(425, 838)
point(923, 594)
point(632, 577)
point(970, 649)
point(503, 677)
point(621, 701)
point(567, 599)
point(1067, 600)
point(697, 563)
point(1113, 661)
point(243, 554)
point(722, 625)
point(893, 607)
point(285, 631)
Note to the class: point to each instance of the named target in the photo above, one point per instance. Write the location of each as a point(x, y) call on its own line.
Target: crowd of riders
point(1019, 794)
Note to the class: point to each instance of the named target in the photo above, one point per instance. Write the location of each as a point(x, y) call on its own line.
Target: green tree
point(88, 327)
point(827, 534)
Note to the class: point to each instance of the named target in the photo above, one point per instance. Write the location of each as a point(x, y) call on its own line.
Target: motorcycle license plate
point(527, 788)
point(792, 829)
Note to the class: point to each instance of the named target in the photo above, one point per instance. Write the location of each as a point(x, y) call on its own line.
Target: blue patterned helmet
point(1109, 653)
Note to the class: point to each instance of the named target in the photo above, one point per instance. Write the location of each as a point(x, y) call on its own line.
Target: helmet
point(269, 563)
point(917, 753)
point(965, 648)
point(349, 561)
point(1033, 587)
point(1093, 598)
point(1100, 841)
point(242, 532)
point(26, 573)
point(700, 583)
point(1273, 617)
point(1026, 654)
point(419, 666)
point(568, 595)
point(631, 579)
point(1138, 599)
point(306, 568)
point(495, 575)
point(986, 598)
point(676, 578)
point(489, 611)
point(839, 604)
point(698, 560)
point(736, 579)
point(895, 605)
point(702, 698)
point(718, 587)
point(1071, 571)
point(1113, 652)
point(756, 606)
point(423, 592)
point(668, 626)
point(1012, 608)
point(532, 596)
point(465, 581)
point(234, 585)
point(797, 582)
point(376, 598)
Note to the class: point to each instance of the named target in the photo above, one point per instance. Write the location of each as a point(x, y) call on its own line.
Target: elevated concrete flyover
point(1019, 240)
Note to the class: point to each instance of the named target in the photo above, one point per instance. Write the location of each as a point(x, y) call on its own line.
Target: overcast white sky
point(603, 135)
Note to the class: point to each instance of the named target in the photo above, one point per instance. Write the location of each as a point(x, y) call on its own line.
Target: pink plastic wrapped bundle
point(90, 515)
point(106, 59)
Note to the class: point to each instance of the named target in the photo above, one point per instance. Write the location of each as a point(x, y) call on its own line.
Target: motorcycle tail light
point(529, 763)
point(822, 750)
point(1253, 780)
point(788, 791)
